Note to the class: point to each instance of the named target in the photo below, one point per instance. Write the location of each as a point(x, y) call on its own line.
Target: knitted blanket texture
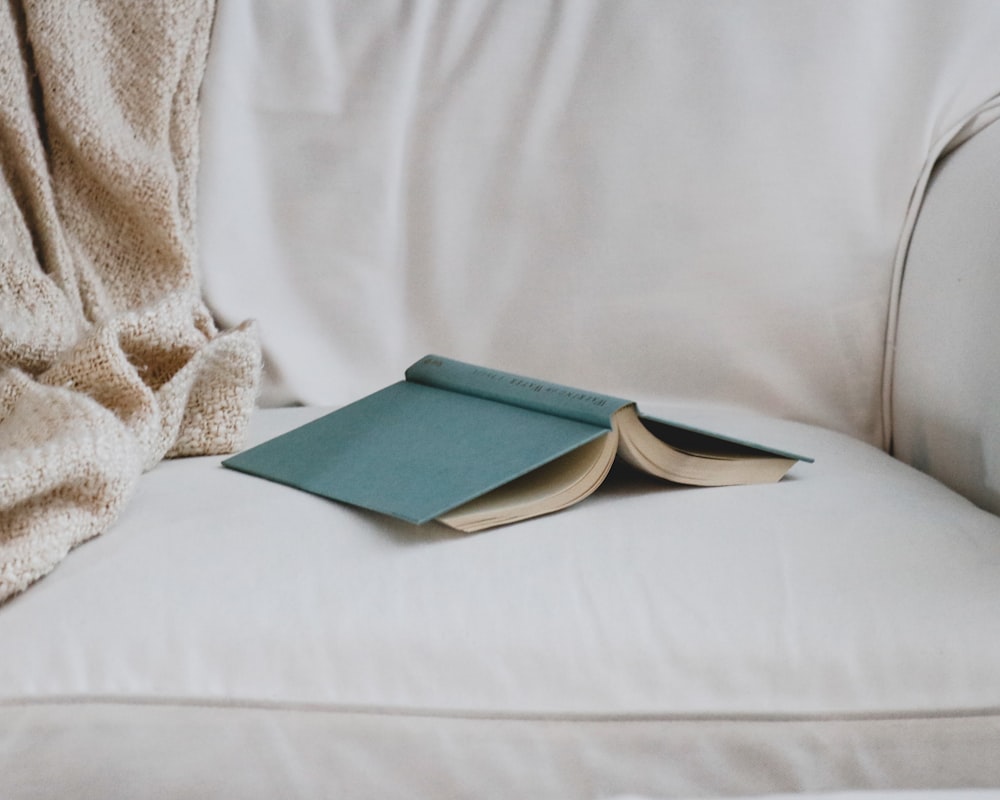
point(109, 359)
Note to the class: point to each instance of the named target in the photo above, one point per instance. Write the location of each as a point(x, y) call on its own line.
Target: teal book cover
point(414, 451)
point(475, 447)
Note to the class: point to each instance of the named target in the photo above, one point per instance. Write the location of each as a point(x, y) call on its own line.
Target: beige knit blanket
point(109, 360)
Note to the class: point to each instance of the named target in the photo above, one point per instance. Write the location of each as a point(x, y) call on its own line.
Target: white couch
point(777, 219)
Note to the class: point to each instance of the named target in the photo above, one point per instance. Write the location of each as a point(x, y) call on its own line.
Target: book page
point(560, 483)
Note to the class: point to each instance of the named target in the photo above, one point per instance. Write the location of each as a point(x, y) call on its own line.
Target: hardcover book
point(475, 448)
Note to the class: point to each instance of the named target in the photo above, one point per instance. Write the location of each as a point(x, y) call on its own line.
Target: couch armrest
point(946, 384)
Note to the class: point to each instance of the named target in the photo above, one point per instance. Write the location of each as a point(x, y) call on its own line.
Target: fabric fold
point(109, 358)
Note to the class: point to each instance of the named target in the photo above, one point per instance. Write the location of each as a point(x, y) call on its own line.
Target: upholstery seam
point(458, 714)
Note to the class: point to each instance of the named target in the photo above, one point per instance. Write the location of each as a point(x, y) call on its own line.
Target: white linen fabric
point(887, 794)
point(947, 377)
point(835, 631)
point(652, 199)
point(706, 203)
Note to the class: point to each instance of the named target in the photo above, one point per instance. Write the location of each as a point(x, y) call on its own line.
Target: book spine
point(517, 390)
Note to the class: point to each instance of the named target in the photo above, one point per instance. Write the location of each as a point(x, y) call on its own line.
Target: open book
point(475, 448)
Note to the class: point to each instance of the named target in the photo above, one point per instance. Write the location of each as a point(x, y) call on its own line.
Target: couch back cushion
point(946, 382)
point(657, 200)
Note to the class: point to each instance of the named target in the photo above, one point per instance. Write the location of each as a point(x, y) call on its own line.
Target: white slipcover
point(707, 206)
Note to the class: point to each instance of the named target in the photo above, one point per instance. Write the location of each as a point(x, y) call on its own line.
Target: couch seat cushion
point(850, 609)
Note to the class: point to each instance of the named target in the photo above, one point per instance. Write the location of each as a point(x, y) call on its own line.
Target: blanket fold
point(109, 359)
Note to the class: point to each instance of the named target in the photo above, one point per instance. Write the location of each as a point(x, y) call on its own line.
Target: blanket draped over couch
point(109, 359)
